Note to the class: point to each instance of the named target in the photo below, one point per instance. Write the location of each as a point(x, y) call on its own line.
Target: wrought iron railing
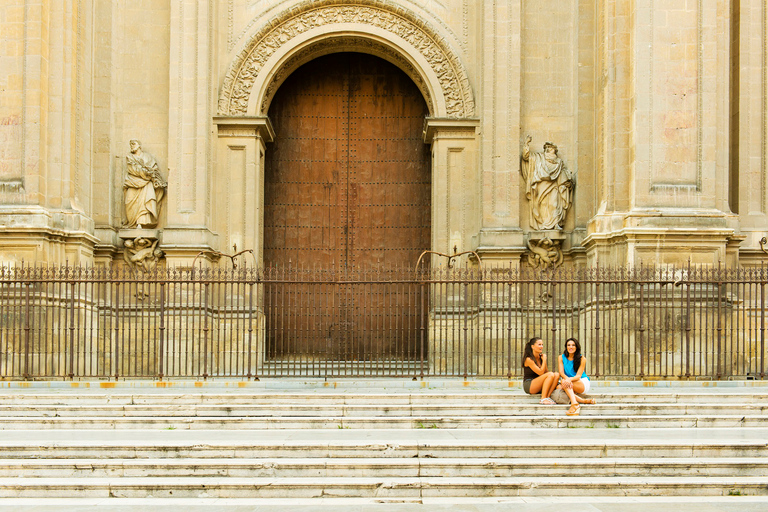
point(63, 322)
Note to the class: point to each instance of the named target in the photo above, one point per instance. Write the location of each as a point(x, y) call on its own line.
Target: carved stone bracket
point(309, 15)
point(141, 252)
point(545, 250)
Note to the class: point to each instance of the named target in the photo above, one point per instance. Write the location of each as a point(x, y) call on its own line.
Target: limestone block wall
point(749, 125)
point(659, 108)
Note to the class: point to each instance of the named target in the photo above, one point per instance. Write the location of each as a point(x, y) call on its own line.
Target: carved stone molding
point(311, 14)
point(342, 44)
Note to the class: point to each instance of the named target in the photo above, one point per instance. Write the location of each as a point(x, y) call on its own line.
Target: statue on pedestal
point(144, 188)
point(549, 190)
point(548, 186)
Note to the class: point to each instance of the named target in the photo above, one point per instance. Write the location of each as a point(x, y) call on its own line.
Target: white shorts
point(586, 386)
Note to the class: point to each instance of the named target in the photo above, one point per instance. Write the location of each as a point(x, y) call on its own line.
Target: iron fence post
point(509, 332)
point(762, 324)
point(466, 329)
point(642, 334)
point(250, 333)
point(719, 322)
point(423, 315)
point(161, 351)
point(597, 327)
point(27, 328)
point(117, 330)
point(688, 330)
point(72, 332)
point(205, 332)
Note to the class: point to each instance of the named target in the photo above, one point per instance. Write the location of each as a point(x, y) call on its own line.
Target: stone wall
point(659, 108)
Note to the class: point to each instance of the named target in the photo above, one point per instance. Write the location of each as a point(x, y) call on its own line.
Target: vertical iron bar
point(205, 329)
point(509, 329)
point(762, 323)
point(719, 355)
point(642, 332)
point(26, 331)
point(466, 327)
point(597, 325)
point(117, 330)
point(688, 326)
point(423, 328)
point(161, 351)
point(72, 333)
point(250, 333)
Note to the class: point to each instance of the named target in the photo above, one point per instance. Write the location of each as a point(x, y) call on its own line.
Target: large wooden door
point(347, 186)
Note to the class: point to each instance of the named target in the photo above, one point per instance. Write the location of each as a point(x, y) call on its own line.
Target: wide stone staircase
point(323, 445)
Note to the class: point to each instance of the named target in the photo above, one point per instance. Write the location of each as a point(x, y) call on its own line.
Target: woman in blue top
point(574, 379)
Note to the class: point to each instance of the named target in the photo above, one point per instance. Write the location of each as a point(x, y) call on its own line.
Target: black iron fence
point(63, 322)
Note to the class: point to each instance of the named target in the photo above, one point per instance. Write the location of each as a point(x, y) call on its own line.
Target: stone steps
point(325, 398)
point(373, 410)
point(379, 447)
point(584, 420)
point(189, 487)
point(395, 487)
point(166, 445)
point(272, 467)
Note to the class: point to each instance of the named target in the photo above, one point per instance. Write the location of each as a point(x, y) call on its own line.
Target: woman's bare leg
point(549, 385)
point(578, 387)
point(571, 395)
point(538, 383)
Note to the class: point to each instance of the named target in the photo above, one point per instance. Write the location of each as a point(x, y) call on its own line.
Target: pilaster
point(188, 230)
point(664, 135)
point(751, 130)
point(239, 187)
point(455, 194)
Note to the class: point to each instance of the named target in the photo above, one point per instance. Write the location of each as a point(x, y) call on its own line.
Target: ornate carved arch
point(446, 72)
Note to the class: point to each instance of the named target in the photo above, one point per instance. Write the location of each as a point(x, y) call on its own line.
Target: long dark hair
point(528, 352)
point(576, 355)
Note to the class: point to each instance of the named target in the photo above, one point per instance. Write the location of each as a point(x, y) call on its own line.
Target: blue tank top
point(568, 368)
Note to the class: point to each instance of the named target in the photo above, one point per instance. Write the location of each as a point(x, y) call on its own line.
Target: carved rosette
point(236, 89)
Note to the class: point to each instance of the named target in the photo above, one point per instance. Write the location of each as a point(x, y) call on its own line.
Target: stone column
point(188, 230)
point(455, 195)
point(663, 139)
point(239, 184)
point(44, 167)
point(500, 238)
point(750, 148)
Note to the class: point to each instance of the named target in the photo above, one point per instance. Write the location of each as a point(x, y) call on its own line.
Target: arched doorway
point(347, 185)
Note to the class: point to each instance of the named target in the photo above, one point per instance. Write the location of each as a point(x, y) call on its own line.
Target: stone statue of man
point(548, 186)
point(144, 188)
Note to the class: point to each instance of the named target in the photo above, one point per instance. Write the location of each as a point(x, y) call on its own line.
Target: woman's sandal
point(546, 401)
point(574, 410)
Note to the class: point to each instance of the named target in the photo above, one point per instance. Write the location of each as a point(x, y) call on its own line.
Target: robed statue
point(548, 186)
point(144, 188)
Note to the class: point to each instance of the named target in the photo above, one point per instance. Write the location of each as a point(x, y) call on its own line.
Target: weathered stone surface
point(658, 107)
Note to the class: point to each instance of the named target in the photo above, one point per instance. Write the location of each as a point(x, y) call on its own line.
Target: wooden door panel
point(347, 185)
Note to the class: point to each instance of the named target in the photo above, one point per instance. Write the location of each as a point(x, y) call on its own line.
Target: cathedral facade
point(336, 133)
